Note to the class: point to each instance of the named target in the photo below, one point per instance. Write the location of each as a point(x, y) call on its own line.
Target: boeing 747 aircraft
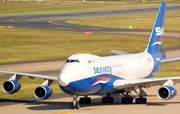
point(87, 74)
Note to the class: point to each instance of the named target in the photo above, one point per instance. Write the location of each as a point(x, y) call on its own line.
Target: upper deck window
point(72, 61)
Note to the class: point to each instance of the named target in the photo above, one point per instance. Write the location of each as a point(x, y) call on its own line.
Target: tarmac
point(62, 106)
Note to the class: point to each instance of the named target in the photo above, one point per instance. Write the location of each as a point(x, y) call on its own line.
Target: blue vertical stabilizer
point(156, 38)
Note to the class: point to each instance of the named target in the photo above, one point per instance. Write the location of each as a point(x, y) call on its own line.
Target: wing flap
point(32, 76)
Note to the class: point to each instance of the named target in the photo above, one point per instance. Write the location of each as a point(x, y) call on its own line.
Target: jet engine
point(11, 86)
point(43, 92)
point(166, 92)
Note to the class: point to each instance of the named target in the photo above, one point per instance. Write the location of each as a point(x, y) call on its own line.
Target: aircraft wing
point(170, 59)
point(148, 82)
point(52, 78)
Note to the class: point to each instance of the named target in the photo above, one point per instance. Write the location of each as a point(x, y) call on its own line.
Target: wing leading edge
point(52, 78)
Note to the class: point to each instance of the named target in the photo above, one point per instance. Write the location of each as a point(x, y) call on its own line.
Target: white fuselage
point(127, 66)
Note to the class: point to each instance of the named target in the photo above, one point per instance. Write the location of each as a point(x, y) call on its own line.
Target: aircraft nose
point(63, 79)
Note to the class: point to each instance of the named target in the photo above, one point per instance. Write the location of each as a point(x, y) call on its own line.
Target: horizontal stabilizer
point(118, 52)
point(170, 59)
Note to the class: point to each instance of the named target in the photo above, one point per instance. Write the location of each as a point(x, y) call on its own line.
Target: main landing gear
point(129, 100)
point(108, 99)
point(85, 100)
point(141, 99)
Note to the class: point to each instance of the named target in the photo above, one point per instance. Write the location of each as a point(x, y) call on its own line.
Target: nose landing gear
point(75, 103)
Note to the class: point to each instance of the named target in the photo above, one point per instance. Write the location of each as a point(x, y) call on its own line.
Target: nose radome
point(64, 79)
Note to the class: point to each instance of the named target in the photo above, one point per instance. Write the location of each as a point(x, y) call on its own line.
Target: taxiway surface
point(62, 106)
point(58, 20)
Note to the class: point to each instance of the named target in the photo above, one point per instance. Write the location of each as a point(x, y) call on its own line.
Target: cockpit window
point(72, 61)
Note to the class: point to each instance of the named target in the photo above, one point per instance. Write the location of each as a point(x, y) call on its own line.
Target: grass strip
point(19, 45)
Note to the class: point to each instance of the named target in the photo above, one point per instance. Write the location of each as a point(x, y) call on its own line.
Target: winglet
point(156, 38)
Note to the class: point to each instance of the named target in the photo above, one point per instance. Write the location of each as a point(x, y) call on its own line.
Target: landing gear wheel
point(144, 101)
point(141, 101)
point(141, 94)
point(85, 100)
point(107, 100)
point(82, 100)
point(104, 100)
point(88, 100)
point(75, 103)
point(123, 100)
point(127, 100)
point(72, 106)
point(138, 101)
point(111, 100)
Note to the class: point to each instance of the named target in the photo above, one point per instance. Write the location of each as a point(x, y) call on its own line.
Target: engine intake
point(167, 92)
point(11, 86)
point(43, 92)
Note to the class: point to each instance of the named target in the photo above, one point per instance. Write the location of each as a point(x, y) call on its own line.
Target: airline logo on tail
point(157, 41)
point(159, 32)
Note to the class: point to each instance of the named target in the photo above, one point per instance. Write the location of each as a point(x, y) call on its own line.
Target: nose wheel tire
point(75, 105)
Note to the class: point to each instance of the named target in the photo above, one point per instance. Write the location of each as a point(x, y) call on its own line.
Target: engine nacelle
point(43, 92)
point(167, 92)
point(11, 86)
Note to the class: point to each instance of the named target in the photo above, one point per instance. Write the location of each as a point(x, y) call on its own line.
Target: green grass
point(12, 7)
point(136, 21)
point(169, 69)
point(18, 44)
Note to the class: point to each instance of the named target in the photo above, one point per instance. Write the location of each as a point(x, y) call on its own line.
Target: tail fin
point(156, 38)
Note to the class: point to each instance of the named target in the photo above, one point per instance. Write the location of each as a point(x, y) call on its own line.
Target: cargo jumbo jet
point(87, 74)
